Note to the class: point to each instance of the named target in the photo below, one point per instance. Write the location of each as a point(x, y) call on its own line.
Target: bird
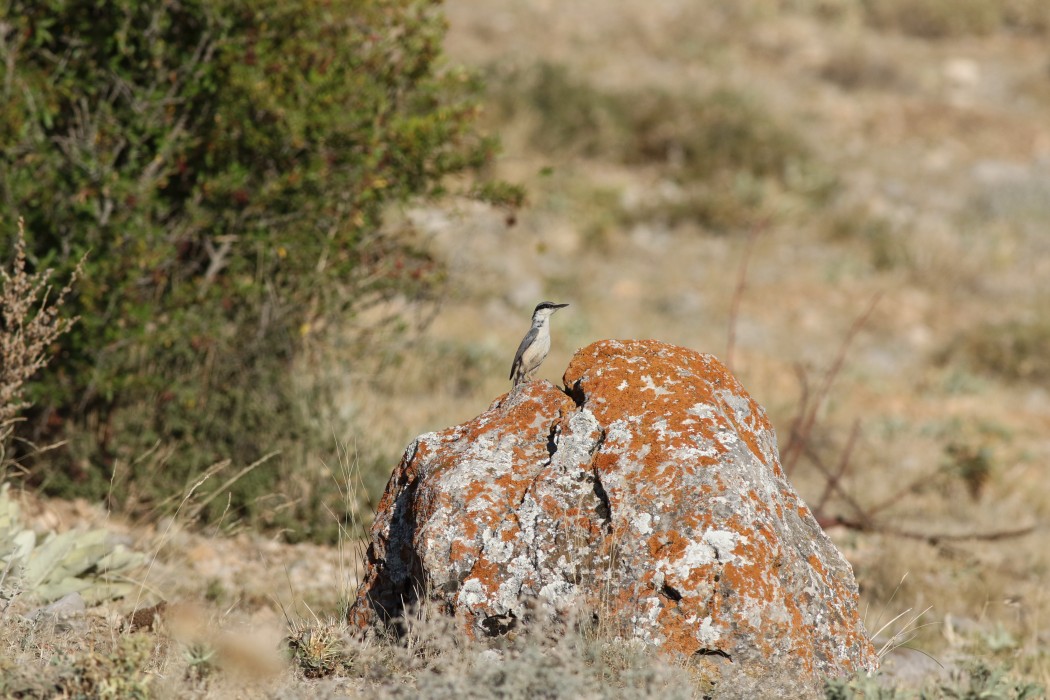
point(535, 345)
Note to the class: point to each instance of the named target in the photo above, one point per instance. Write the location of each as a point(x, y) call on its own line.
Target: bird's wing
point(525, 342)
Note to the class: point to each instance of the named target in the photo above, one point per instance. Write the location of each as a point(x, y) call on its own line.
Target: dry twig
point(806, 420)
point(800, 445)
point(29, 324)
point(738, 293)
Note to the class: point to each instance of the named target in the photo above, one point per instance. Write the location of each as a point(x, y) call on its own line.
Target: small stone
point(61, 613)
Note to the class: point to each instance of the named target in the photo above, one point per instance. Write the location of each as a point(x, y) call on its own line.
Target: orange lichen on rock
point(649, 490)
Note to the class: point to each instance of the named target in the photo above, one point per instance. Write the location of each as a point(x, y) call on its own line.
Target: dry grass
point(238, 639)
point(940, 19)
point(31, 322)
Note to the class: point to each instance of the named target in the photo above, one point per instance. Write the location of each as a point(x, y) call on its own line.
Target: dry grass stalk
point(31, 323)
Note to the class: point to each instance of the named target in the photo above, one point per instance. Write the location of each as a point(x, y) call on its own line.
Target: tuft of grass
point(977, 681)
point(972, 464)
point(117, 673)
point(935, 19)
point(1027, 16)
point(1017, 350)
point(573, 115)
point(698, 137)
point(318, 648)
point(980, 681)
point(201, 663)
point(857, 68)
point(545, 656)
point(945, 19)
point(860, 686)
point(886, 250)
point(725, 149)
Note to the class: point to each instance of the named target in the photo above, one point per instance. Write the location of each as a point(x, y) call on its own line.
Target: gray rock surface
point(649, 491)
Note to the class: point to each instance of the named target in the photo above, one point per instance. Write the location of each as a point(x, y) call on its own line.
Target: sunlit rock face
point(649, 491)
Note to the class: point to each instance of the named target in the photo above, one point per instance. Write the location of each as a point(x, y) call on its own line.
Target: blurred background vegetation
point(224, 166)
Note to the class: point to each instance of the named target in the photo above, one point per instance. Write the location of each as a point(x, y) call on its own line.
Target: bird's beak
point(560, 306)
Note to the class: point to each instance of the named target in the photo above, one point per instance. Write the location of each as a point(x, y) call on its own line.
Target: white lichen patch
point(622, 385)
point(480, 462)
point(574, 447)
point(646, 621)
point(559, 594)
point(703, 411)
point(508, 597)
point(740, 405)
point(521, 567)
point(707, 634)
point(642, 523)
point(724, 543)
point(529, 513)
point(694, 454)
point(495, 547)
point(651, 385)
point(583, 422)
point(715, 546)
point(618, 432)
point(472, 593)
point(727, 438)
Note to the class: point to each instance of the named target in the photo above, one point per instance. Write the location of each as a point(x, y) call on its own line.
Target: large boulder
point(648, 490)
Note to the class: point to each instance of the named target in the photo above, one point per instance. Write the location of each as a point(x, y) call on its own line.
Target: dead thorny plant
point(804, 426)
point(30, 323)
point(738, 292)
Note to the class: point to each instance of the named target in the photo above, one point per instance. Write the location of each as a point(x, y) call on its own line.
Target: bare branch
point(833, 480)
point(933, 538)
point(738, 293)
point(806, 421)
point(833, 484)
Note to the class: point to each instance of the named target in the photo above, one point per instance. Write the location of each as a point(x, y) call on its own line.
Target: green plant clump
point(225, 166)
point(974, 682)
point(118, 673)
point(725, 149)
point(1012, 350)
point(939, 19)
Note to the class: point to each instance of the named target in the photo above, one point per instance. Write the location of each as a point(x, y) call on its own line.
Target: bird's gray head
point(545, 309)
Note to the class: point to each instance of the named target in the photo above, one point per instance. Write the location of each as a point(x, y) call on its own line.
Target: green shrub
point(119, 671)
point(226, 164)
point(855, 67)
point(976, 681)
point(696, 136)
point(1012, 350)
point(1027, 16)
point(724, 147)
point(935, 19)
